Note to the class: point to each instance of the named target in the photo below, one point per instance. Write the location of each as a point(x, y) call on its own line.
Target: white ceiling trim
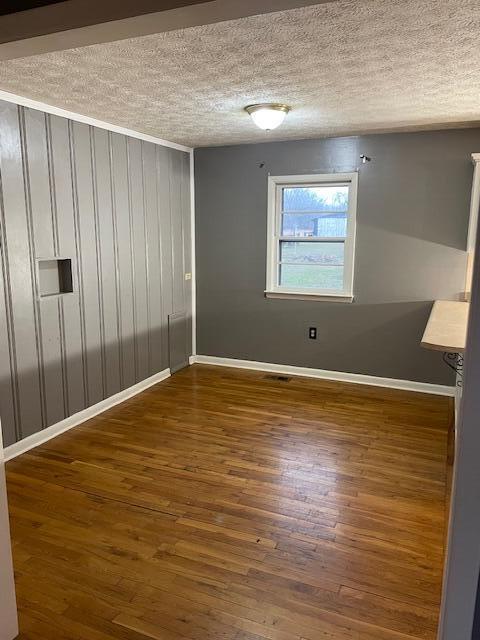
point(78, 117)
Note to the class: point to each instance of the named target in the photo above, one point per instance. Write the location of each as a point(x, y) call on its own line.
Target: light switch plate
point(188, 276)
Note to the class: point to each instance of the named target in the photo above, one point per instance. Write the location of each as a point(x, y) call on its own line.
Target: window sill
point(320, 297)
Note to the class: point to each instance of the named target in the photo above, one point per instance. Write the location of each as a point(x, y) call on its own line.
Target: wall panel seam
point(51, 180)
point(79, 261)
point(118, 302)
point(172, 243)
point(147, 258)
point(160, 250)
point(132, 260)
point(56, 249)
point(182, 227)
point(98, 255)
point(33, 267)
point(63, 356)
point(192, 248)
point(12, 350)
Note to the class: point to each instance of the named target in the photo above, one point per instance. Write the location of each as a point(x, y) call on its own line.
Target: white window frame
point(275, 186)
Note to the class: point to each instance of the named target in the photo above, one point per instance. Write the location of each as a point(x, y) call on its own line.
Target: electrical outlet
point(312, 333)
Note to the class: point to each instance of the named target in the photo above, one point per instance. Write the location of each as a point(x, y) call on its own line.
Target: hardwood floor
point(226, 505)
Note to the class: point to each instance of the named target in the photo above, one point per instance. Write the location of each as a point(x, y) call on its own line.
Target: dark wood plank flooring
point(224, 505)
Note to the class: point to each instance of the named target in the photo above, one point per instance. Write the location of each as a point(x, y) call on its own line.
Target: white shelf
point(446, 329)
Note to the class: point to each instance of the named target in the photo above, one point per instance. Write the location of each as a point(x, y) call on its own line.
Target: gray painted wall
point(119, 208)
point(413, 207)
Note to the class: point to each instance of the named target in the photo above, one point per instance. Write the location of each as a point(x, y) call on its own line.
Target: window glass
point(321, 198)
point(310, 276)
point(314, 225)
point(326, 253)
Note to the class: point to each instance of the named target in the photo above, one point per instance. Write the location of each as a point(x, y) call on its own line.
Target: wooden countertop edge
point(441, 347)
point(446, 327)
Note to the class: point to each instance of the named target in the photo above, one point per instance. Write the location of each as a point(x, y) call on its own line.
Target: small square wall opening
point(55, 276)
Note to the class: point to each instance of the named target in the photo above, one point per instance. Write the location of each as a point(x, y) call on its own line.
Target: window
point(311, 236)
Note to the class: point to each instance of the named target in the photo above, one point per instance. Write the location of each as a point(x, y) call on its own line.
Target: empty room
point(239, 320)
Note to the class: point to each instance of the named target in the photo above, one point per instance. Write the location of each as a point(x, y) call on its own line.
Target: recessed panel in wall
point(177, 341)
point(55, 277)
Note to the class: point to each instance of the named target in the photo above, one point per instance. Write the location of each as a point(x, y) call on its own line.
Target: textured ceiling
point(345, 67)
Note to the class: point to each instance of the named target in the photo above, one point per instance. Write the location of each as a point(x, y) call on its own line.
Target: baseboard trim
point(323, 374)
point(30, 442)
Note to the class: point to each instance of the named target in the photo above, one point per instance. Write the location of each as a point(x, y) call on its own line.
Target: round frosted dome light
point(268, 116)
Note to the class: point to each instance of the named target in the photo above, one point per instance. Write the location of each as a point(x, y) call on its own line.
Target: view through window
point(313, 227)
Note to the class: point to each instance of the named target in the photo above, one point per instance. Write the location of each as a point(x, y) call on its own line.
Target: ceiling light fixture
point(267, 116)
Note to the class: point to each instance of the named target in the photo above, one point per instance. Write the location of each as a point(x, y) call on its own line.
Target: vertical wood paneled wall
point(119, 208)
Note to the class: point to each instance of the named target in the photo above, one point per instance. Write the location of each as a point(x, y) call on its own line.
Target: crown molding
point(78, 117)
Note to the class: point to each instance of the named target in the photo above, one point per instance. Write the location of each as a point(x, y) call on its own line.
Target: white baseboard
point(60, 427)
point(323, 374)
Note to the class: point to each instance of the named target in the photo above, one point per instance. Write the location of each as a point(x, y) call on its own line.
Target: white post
point(474, 204)
point(462, 565)
point(8, 605)
point(472, 224)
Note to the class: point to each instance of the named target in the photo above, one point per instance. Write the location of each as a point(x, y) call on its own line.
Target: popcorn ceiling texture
point(346, 67)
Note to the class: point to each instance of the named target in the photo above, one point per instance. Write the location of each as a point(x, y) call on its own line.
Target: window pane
point(325, 198)
point(308, 225)
point(327, 253)
point(308, 276)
